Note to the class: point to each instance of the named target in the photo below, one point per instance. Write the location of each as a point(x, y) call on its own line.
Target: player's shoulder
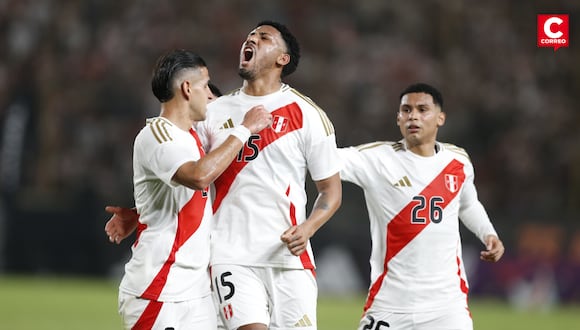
point(299, 97)
point(157, 130)
point(226, 98)
point(376, 145)
point(456, 150)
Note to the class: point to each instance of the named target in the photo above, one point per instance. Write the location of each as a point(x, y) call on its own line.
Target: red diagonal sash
point(189, 219)
point(291, 114)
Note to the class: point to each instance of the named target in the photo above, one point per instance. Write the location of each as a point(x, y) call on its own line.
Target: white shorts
point(453, 318)
point(138, 313)
point(279, 298)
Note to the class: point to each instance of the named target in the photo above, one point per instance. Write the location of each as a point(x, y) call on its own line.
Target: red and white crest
point(451, 182)
point(279, 124)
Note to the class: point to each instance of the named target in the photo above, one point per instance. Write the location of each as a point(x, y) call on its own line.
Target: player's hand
point(494, 249)
point(296, 239)
point(257, 119)
point(122, 223)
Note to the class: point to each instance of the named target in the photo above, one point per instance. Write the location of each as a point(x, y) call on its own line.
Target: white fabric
point(181, 245)
point(191, 314)
point(278, 298)
point(423, 272)
point(262, 193)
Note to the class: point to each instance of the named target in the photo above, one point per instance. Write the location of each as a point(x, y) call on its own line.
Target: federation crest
point(279, 124)
point(451, 182)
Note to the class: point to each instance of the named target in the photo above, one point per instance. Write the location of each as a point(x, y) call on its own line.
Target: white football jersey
point(414, 205)
point(171, 253)
point(262, 193)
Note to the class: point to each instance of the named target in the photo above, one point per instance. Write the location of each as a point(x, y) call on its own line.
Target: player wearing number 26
point(416, 190)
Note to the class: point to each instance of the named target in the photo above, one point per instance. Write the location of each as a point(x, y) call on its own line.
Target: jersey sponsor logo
point(404, 182)
point(228, 124)
point(303, 322)
point(451, 182)
point(254, 146)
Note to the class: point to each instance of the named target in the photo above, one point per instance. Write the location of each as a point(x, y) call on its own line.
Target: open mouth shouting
point(247, 55)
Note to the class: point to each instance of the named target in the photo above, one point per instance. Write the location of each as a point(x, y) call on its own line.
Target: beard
point(246, 74)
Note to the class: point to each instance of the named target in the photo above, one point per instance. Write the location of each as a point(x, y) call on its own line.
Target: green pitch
point(31, 303)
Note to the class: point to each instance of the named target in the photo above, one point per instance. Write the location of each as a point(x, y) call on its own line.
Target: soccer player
point(166, 284)
point(416, 191)
point(262, 261)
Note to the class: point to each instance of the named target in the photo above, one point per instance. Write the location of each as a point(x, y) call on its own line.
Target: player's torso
point(413, 205)
point(261, 194)
point(174, 233)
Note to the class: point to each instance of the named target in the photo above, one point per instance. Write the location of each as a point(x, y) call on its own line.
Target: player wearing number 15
point(416, 191)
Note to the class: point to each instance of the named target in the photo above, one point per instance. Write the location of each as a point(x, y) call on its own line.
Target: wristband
point(241, 132)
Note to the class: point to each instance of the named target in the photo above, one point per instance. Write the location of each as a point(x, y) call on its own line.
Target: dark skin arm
point(328, 201)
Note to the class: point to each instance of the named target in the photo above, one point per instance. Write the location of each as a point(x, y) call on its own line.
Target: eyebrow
point(418, 104)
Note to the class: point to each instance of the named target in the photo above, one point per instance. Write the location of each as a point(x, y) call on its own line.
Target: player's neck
point(262, 86)
point(178, 118)
point(422, 149)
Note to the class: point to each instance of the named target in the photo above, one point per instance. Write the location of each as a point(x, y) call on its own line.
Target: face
point(199, 93)
point(419, 118)
point(263, 49)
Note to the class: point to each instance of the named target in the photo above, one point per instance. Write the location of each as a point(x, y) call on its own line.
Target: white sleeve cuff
point(241, 132)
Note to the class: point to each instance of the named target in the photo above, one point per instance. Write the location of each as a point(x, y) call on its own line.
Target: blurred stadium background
point(74, 91)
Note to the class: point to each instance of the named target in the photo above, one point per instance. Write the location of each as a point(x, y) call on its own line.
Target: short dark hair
point(214, 89)
point(292, 46)
point(427, 89)
point(168, 67)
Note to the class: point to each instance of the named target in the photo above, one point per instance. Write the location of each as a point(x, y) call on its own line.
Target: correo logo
point(553, 31)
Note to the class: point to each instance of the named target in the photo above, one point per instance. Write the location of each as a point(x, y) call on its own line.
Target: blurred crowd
point(75, 90)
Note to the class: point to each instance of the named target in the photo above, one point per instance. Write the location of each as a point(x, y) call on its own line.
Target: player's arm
point(200, 174)
point(328, 201)
point(494, 249)
point(475, 218)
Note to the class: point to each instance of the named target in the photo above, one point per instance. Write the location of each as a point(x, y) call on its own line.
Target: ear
point(283, 59)
point(441, 118)
point(185, 89)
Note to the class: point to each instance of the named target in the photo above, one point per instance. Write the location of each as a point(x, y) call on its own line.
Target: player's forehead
point(266, 30)
point(416, 99)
